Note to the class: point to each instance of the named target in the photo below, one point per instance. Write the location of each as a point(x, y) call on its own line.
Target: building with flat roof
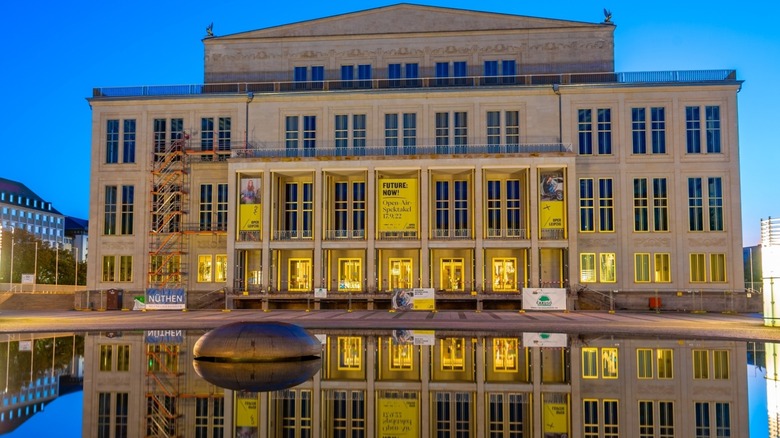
point(24, 209)
point(337, 161)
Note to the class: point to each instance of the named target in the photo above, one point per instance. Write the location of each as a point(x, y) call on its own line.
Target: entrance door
point(400, 273)
point(299, 275)
point(452, 275)
point(505, 274)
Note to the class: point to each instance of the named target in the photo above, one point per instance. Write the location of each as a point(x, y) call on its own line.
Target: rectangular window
point(511, 131)
point(702, 415)
point(452, 354)
point(123, 357)
point(642, 268)
point(291, 135)
point(128, 200)
point(128, 141)
point(698, 270)
point(722, 419)
point(585, 131)
point(206, 207)
point(605, 131)
point(646, 423)
point(701, 364)
point(660, 205)
point(666, 419)
point(587, 268)
point(695, 205)
point(220, 268)
point(106, 355)
point(350, 352)
point(720, 359)
point(460, 131)
point(359, 208)
point(590, 368)
point(350, 275)
point(204, 268)
point(364, 75)
point(638, 130)
point(587, 202)
point(494, 207)
point(109, 268)
point(663, 268)
point(359, 134)
point(611, 425)
point(607, 268)
point(641, 207)
point(222, 207)
point(665, 362)
point(590, 418)
point(718, 268)
point(112, 141)
point(609, 363)
point(309, 135)
point(715, 203)
point(606, 205)
point(207, 136)
point(109, 211)
point(692, 130)
point(391, 134)
point(104, 415)
point(644, 363)
point(224, 134)
point(658, 130)
point(126, 268)
point(442, 133)
point(712, 128)
point(410, 133)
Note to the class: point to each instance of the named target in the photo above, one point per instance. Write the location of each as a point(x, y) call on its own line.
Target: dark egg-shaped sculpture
point(257, 356)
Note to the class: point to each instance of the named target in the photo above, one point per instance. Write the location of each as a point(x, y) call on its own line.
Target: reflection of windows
point(401, 356)
point(644, 363)
point(609, 363)
point(593, 420)
point(452, 414)
point(204, 268)
point(453, 354)
point(106, 353)
point(350, 351)
point(162, 358)
point(122, 357)
point(665, 361)
point(505, 274)
point(720, 363)
point(505, 354)
point(701, 364)
point(452, 274)
point(508, 414)
point(400, 273)
point(299, 275)
point(292, 411)
point(350, 274)
point(346, 411)
point(606, 366)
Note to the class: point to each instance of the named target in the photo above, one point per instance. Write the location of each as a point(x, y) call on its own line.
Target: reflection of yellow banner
point(397, 204)
point(551, 215)
point(398, 418)
point(556, 418)
point(249, 217)
point(246, 412)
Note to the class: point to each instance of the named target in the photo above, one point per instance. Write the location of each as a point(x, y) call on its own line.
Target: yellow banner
point(397, 204)
point(246, 412)
point(551, 215)
point(249, 217)
point(556, 418)
point(398, 418)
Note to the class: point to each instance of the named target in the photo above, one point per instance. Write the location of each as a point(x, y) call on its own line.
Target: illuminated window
point(401, 356)
point(452, 275)
point(350, 350)
point(642, 268)
point(720, 359)
point(505, 274)
point(220, 268)
point(607, 265)
point(505, 354)
point(609, 363)
point(663, 268)
point(204, 268)
point(162, 358)
point(453, 354)
point(125, 268)
point(701, 364)
point(588, 268)
point(665, 363)
point(400, 273)
point(299, 275)
point(698, 270)
point(106, 353)
point(644, 363)
point(590, 368)
point(350, 275)
point(109, 265)
point(718, 268)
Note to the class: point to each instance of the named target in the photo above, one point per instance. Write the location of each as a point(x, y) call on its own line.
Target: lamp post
point(13, 242)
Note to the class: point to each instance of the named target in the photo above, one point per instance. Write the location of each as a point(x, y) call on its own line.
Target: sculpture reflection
point(266, 356)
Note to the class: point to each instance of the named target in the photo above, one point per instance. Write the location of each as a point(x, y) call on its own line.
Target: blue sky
point(57, 51)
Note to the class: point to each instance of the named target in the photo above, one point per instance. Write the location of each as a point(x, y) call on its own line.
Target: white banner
point(544, 298)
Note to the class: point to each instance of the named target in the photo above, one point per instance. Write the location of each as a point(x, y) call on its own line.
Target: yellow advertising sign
point(398, 418)
point(246, 412)
point(249, 217)
point(397, 204)
point(551, 215)
point(556, 418)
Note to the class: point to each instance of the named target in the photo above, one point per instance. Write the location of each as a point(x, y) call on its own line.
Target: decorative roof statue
point(210, 31)
point(607, 15)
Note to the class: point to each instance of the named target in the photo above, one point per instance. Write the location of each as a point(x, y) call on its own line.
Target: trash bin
point(114, 299)
point(655, 303)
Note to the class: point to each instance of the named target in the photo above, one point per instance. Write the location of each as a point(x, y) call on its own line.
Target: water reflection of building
point(36, 368)
point(385, 384)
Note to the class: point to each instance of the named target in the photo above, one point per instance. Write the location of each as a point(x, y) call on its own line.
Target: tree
point(50, 261)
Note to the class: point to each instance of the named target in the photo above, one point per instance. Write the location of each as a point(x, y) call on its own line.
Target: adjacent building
point(24, 209)
point(331, 162)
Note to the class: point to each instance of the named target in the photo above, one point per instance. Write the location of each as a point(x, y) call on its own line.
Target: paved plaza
point(664, 324)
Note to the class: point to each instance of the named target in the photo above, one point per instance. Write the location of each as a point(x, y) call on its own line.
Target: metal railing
point(429, 82)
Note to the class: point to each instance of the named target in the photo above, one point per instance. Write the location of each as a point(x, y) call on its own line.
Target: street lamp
point(13, 242)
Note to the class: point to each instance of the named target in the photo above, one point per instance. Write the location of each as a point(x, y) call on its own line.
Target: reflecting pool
point(411, 383)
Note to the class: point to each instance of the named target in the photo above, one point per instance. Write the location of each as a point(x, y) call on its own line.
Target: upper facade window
point(652, 140)
point(128, 134)
point(695, 136)
point(594, 132)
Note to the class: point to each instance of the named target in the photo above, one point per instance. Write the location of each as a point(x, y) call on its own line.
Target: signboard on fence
point(544, 298)
point(165, 299)
point(28, 278)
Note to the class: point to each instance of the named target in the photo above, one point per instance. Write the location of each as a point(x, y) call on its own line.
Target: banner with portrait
point(551, 200)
